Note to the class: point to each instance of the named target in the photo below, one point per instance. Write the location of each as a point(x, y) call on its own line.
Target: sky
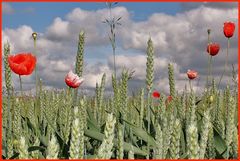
point(40, 15)
point(178, 31)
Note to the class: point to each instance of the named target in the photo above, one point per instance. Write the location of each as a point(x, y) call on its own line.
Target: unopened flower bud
point(34, 35)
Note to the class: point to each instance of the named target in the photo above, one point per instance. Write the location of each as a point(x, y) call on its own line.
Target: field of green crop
point(53, 124)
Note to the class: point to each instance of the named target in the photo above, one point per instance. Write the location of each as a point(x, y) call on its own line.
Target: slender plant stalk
point(37, 102)
point(21, 89)
point(113, 41)
point(209, 41)
point(112, 22)
point(190, 84)
point(210, 69)
point(226, 63)
point(34, 35)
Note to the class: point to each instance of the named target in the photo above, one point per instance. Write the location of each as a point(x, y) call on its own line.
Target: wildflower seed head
point(208, 31)
point(34, 36)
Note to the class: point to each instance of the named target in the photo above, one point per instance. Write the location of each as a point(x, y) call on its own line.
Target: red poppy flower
point(72, 80)
point(22, 64)
point(228, 29)
point(168, 100)
point(213, 49)
point(156, 94)
point(192, 74)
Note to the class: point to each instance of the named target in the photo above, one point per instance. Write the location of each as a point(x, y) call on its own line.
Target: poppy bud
point(228, 29)
point(208, 31)
point(34, 35)
point(192, 74)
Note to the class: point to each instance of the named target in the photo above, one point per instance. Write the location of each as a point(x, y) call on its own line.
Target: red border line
point(238, 81)
point(1, 83)
point(118, 1)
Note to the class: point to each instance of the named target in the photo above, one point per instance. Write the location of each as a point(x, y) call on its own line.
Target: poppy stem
point(226, 63)
point(21, 89)
point(35, 46)
point(208, 56)
point(75, 96)
point(190, 84)
point(210, 70)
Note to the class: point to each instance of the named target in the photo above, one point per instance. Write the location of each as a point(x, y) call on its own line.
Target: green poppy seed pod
point(34, 36)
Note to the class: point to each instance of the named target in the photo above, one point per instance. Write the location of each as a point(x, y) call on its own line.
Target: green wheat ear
point(23, 152)
point(53, 148)
point(75, 136)
point(105, 150)
point(150, 65)
point(204, 134)
point(8, 75)
point(192, 142)
point(80, 53)
point(171, 80)
point(175, 140)
point(159, 140)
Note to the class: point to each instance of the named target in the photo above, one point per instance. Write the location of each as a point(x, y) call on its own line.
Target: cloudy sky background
point(178, 31)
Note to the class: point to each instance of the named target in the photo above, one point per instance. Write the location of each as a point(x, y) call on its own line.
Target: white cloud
point(20, 38)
